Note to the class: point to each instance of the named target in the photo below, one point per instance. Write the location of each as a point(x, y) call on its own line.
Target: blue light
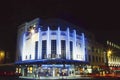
point(83, 42)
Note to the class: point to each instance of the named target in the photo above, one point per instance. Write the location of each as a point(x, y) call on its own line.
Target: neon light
point(53, 65)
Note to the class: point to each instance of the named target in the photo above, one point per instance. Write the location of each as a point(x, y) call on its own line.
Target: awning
point(51, 61)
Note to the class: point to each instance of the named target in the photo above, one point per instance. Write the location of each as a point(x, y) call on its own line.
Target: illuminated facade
point(95, 55)
point(42, 51)
point(113, 56)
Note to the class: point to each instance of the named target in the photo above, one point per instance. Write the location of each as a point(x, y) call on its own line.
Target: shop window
point(19, 70)
point(30, 69)
point(16, 70)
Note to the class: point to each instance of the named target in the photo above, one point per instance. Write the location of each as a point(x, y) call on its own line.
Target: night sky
point(100, 18)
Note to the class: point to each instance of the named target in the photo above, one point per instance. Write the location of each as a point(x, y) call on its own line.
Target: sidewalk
point(60, 77)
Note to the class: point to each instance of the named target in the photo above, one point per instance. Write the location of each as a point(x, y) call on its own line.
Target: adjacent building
point(113, 56)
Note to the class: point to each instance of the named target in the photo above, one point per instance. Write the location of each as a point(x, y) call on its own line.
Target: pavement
point(60, 78)
point(76, 77)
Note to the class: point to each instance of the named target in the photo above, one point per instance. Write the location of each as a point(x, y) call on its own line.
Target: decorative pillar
point(23, 50)
point(83, 46)
point(58, 43)
point(39, 44)
point(68, 45)
point(48, 43)
point(74, 44)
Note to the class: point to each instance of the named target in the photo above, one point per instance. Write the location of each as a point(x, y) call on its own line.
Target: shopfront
point(53, 68)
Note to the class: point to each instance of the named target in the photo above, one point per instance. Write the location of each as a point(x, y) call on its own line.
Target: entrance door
point(25, 72)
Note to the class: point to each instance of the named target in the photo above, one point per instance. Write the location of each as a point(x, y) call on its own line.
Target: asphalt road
point(81, 78)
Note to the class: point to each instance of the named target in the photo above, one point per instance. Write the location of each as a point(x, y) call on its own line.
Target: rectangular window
point(53, 48)
point(30, 56)
point(44, 49)
point(93, 58)
point(63, 49)
point(96, 59)
point(102, 59)
point(92, 49)
point(89, 58)
point(99, 59)
point(29, 69)
point(71, 49)
point(36, 49)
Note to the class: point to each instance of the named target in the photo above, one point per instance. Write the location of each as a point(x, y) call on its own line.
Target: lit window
point(107, 42)
point(34, 25)
point(110, 43)
point(16, 70)
point(19, 70)
point(29, 69)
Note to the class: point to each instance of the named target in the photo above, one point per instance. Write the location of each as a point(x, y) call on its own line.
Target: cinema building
point(52, 48)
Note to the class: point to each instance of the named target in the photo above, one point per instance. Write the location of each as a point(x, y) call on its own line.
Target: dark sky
point(100, 18)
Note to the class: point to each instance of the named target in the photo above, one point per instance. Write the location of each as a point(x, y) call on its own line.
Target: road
point(66, 78)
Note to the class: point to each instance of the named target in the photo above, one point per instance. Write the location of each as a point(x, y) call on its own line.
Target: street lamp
point(2, 56)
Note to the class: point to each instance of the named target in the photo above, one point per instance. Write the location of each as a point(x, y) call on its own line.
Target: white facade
point(31, 37)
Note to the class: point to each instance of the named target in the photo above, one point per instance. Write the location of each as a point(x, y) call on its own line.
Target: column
point(48, 42)
point(68, 45)
point(74, 44)
point(23, 49)
point(58, 43)
point(39, 44)
point(83, 46)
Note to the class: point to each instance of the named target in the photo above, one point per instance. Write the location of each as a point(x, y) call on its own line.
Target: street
point(108, 77)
